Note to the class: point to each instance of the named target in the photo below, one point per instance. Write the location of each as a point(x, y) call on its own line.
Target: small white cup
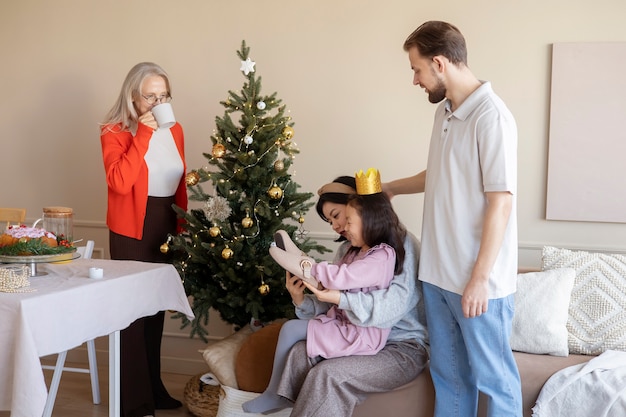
point(164, 115)
point(96, 273)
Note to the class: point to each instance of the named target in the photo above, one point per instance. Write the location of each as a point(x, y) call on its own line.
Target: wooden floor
point(74, 396)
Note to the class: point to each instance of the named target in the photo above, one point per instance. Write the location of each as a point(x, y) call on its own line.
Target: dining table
point(64, 308)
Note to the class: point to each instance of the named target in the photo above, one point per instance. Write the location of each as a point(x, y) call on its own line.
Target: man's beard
point(438, 93)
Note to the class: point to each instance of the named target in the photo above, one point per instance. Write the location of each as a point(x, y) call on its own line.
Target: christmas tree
point(222, 255)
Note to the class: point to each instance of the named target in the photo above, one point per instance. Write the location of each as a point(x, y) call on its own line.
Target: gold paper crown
point(368, 183)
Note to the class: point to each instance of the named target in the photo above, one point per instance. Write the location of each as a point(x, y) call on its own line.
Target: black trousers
point(140, 343)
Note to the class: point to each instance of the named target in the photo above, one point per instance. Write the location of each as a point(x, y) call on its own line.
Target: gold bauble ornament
point(218, 150)
point(192, 178)
point(164, 248)
point(214, 231)
point(264, 289)
point(301, 219)
point(227, 253)
point(275, 192)
point(247, 222)
point(279, 166)
point(288, 132)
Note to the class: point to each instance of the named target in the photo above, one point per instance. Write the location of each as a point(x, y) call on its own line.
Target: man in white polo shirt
point(469, 233)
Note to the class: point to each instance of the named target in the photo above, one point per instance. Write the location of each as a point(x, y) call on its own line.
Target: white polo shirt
point(473, 150)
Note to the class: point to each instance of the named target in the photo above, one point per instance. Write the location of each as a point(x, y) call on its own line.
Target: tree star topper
point(247, 66)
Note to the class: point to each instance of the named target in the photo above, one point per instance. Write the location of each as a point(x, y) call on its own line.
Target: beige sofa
point(417, 398)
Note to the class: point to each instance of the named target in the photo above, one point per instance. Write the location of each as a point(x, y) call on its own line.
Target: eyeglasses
point(151, 99)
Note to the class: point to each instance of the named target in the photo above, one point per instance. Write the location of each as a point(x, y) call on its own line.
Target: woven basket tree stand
point(202, 399)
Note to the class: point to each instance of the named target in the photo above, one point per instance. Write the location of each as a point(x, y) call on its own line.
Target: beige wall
point(337, 65)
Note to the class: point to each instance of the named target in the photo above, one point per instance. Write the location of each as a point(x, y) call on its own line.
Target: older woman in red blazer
point(145, 171)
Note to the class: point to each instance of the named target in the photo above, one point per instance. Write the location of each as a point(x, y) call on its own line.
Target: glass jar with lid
point(60, 221)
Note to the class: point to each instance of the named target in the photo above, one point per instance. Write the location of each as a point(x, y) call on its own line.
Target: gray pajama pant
point(334, 387)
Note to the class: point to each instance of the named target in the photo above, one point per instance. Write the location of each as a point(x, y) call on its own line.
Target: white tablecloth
point(66, 309)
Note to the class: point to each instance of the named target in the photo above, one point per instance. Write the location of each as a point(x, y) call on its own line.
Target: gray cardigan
point(401, 306)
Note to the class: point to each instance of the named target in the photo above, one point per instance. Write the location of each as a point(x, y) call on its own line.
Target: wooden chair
point(12, 216)
point(85, 252)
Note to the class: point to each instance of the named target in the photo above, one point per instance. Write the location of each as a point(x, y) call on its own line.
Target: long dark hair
point(380, 224)
point(337, 198)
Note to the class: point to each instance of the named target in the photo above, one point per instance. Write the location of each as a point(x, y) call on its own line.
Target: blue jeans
point(471, 355)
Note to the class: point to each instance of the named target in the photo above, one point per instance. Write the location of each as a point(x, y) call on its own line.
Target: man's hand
point(408, 185)
point(475, 299)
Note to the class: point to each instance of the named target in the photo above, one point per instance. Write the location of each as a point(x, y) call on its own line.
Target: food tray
point(26, 259)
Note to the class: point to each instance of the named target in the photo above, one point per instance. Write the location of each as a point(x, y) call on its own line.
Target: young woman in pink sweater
point(376, 254)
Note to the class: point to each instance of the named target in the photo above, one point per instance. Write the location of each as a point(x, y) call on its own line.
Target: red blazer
point(127, 177)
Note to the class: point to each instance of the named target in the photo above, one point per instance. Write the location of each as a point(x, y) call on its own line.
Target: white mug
point(164, 115)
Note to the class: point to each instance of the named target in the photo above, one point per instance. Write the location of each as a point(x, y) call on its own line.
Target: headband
point(336, 187)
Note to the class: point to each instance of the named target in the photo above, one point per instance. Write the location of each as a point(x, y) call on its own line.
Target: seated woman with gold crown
point(367, 305)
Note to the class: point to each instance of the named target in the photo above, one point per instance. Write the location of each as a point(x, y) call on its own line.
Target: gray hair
point(123, 111)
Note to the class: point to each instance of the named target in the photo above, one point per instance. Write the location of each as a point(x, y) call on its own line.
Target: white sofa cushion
point(541, 312)
point(221, 356)
point(597, 310)
point(231, 400)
